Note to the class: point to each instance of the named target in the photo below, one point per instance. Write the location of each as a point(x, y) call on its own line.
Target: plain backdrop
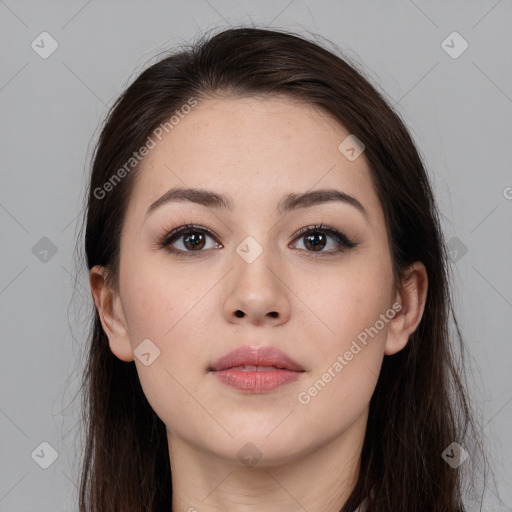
point(456, 101)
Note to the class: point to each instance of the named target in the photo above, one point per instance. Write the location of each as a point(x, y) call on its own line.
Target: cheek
point(343, 302)
point(348, 356)
point(330, 404)
point(169, 311)
point(349, 342)
point(174, 310)
point(160, 300)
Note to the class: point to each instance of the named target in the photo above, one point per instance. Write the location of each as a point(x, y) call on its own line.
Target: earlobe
point(111, 314)
point(412, 296)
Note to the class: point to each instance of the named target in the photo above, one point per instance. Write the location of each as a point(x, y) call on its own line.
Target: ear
point(412, 296)
point(110, 311)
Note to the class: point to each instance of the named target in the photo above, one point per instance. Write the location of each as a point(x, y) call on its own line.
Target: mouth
point(256, 369)
point(256, 359)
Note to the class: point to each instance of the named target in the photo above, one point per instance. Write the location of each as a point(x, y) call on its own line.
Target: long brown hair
point(420, 403)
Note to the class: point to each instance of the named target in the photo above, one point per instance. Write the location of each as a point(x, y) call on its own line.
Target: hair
point(420, 404)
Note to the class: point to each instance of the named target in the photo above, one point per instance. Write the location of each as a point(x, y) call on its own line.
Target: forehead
point(254, 150)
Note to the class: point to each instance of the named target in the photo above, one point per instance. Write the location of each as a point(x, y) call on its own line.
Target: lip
point(256, 356)
point(256, 380)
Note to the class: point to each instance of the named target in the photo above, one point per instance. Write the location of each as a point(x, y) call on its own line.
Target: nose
point(257, 291)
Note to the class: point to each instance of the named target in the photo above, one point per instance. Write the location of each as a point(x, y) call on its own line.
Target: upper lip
point(256, 356)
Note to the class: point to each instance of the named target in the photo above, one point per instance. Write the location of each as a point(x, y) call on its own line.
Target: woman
point(271, 294)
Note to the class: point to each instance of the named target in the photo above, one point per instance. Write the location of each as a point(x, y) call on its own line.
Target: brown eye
point(194, 240)
point(316, 238)
point(187, 239)
point(316, 241)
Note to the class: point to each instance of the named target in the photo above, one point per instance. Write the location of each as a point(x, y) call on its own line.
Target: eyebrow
point(288, 203)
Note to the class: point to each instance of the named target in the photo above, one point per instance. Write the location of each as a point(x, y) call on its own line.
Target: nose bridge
point(257, 260)
point(257, 290)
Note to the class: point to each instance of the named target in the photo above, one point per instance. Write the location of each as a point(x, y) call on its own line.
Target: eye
point(316, 238)
point(192, 238)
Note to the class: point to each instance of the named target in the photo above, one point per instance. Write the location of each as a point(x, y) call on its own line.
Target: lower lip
point(256, 382)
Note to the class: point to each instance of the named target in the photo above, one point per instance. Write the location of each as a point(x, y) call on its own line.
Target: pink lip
point(257, 356)
point(287, 370)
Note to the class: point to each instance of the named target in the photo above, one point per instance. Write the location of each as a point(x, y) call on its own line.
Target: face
point(324, 297)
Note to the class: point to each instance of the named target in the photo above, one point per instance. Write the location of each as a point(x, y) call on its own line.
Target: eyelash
point(343, 241)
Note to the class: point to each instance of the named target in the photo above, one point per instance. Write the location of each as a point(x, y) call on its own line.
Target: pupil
point(194, 240)
point(316, 244)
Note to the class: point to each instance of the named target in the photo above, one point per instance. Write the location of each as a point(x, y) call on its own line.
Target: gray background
point(458, 110)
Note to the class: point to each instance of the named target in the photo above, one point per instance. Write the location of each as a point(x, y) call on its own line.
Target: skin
point(256, 150)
